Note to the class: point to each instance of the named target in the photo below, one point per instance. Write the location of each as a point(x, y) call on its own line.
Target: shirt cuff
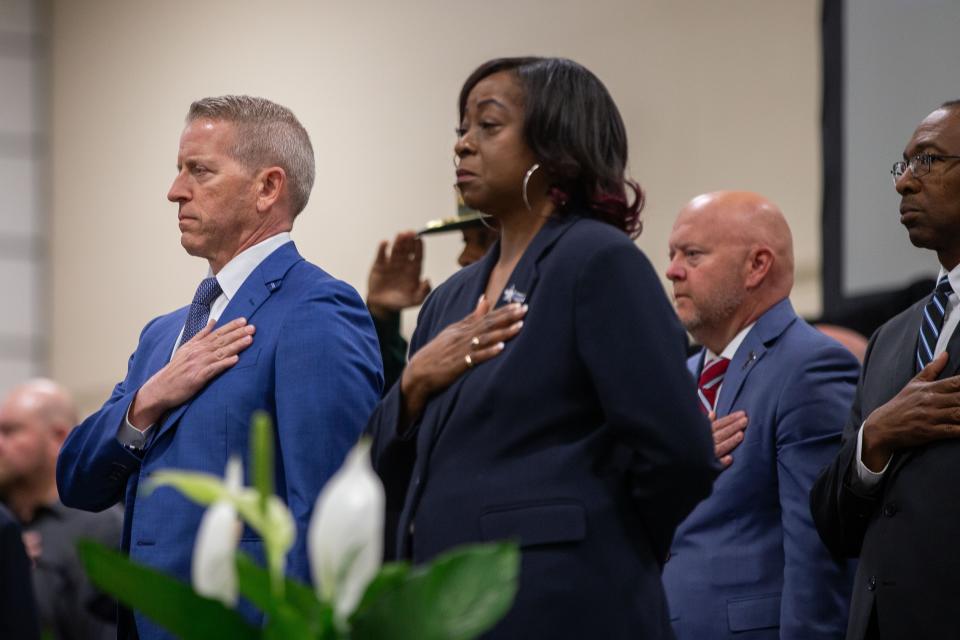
point(864, 478)
point(131, 437)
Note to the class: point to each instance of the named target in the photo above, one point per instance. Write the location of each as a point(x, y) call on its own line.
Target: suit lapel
point(262, 282)
point(519, 289)
point(904, 368)
point(768, 328)
point(953, 353)
point(524, 278)
point(160, 356)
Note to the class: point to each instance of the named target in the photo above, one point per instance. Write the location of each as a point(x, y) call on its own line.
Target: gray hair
point(267, 134)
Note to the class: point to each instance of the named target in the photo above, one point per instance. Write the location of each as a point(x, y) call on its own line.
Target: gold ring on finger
point(468, 360)
point(475, 342)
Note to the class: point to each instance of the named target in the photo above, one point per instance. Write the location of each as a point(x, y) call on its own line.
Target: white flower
point(214, 569)
point(345, 539)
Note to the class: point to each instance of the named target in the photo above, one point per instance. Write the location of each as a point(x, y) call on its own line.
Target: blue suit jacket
point(581, 439)
point(748, 562)
point(314, 366)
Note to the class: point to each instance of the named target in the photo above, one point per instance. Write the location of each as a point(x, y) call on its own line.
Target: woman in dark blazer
point(557, 409)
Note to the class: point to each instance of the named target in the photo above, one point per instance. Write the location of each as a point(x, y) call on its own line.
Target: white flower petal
point(233, 475)
point(214, 568)
point(345, 539)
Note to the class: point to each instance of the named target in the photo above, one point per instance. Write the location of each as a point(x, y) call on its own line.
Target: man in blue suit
point(747, 562)
point(245, 170)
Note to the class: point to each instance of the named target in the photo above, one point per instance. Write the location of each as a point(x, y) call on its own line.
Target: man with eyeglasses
point(892, 495)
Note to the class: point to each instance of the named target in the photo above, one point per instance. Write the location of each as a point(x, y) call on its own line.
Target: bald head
point(47, 401)
point(731, 259)
point(35, 419)
point(749, 220)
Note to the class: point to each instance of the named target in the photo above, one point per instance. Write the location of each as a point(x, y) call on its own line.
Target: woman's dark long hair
point(576, 133)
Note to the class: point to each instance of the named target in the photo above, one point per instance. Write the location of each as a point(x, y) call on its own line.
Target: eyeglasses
point(919, 165)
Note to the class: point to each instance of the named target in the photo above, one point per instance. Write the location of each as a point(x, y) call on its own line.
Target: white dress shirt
point(865, 479)
point(728, 352)
point(231, 278)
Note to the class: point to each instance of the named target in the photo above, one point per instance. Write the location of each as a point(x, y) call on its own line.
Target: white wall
point(23, 147)
point(714, 94)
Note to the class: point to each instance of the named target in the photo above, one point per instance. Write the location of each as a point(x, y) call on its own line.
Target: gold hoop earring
point(526, 181)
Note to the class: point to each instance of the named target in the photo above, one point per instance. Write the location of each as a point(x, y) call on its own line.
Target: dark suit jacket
point(906, 533)
point(748, 560)
point(18, 611)
point(314, 366)
point(582, 439)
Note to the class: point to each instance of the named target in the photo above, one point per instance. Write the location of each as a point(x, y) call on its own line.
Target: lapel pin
point(751, 358)
point(510, 294)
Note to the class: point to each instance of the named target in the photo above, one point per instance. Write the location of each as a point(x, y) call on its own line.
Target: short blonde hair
point(268, 134)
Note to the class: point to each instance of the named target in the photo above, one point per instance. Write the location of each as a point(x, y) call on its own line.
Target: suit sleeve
point(93, 467)
point(393, 348)
point(394, 455)
point(810, 413)
point(841, 512)
point(634, 349)
point(328, 379)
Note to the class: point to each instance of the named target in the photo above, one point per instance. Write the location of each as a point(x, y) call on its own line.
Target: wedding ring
point(468, 360)
point(475, 342)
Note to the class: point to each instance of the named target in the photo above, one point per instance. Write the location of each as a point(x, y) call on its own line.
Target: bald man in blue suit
point(747, 562)
point(283, 337)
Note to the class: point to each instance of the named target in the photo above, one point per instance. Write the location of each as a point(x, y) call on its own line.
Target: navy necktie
point(208, 291)
point(932, 322)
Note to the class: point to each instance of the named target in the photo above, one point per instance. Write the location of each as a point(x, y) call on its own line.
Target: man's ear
point(59, 433)
point(759, 265)
point(270, 184)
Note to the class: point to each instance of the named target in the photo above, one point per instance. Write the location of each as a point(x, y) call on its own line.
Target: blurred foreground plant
point(458, 596)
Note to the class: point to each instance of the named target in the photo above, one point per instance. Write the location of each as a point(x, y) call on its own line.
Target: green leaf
point(389, 578)
point(459, 596)
point(286, 623)
point(254, 584)
point(168, 602)
point(261, 435)
point(202, 488)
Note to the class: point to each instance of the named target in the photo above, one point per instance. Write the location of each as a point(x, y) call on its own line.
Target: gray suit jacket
point(905, 533)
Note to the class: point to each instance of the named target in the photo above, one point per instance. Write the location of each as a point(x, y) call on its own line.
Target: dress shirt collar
point(731, 349)
point(235, 272)
point(953, 276)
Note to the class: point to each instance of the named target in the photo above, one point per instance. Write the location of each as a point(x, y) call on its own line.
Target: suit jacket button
point(410, 528)
point(890, 509)
point(872, 583)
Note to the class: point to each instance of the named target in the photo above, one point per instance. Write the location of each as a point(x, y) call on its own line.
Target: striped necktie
point(710, 380)
point(932, 322)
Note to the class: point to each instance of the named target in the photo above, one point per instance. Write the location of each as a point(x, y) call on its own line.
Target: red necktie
point(710, 379)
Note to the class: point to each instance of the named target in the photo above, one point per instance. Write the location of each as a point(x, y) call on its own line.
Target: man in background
point(890, 496)
point(35, 419)
point(747, 562)
point(18, 611)
point(395, 282)
point(266, 331)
